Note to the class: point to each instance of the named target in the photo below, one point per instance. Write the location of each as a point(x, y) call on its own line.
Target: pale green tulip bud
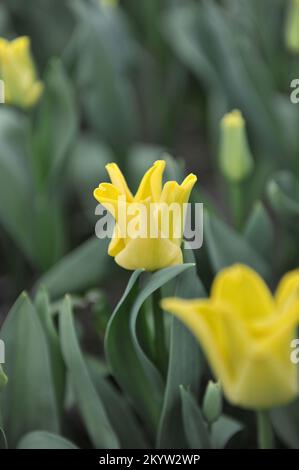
point(292, 26)
point(212, 402)
point(235, 159)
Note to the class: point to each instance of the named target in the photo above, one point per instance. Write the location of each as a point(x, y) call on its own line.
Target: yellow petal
point(264, 383)
point(110, 197)
point(150, 254)
point(288, 287)
point(187, 186)
point(244, 290)
point(222, 337)
point(117, 243)
point(118, 180)
point(151, 183)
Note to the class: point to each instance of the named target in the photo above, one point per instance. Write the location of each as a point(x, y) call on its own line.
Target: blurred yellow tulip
point(18, 73)
point(246, 335)
point(148, 251)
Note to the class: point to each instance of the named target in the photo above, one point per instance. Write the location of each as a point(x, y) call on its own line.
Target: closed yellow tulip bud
point(246, 334)
point(18, 73)
point(292, 26)
point(235, 159)
point(152, 248)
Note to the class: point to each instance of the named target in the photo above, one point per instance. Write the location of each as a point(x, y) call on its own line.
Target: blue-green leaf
point(45, 440)
point(185, 364)
point(91, 408)
point(28, 401)
point(194, 425)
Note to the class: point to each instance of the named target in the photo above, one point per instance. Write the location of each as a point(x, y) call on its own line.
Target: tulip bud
point(235, 158)
point(17, 71)
point(212, 402)
point(292, 26)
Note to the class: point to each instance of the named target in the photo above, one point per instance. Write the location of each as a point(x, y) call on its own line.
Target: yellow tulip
point(18, 73)
point(147, 252)
point(246, 335)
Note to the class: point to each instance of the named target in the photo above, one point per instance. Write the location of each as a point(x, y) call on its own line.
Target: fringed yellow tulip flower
point(18, 73)
point(152, 249)
point(246, 335)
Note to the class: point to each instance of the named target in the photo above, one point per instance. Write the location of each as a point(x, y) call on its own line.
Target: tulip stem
point(159, 331)
point(264, 430)
point(237, 204)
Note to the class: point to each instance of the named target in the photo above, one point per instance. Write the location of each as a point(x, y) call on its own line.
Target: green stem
point(237, 204)
point(159, 329)
point(264, 430)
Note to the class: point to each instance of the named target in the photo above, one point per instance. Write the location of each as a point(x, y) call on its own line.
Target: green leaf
point(15, 183)
point(56, 125)
point(133, 370)
point(91, 408)
point(45, 440)
point(118, 409)
point(84, 267)
point(194, 425)
point(227, 247)
point(185, 365)
point(223, 430)
point(283, 194)
point(103, 53)
point(57, 365)
point(259, 231)
point(285, 421)
point(28, 401)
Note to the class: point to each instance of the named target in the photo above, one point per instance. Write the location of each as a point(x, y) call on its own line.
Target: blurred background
point(130, 81)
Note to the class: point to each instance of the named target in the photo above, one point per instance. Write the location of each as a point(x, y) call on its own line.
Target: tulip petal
point(288, 287)
point(222, 337)
point(151, 183)
point(118, 180)
point(244, 290)
point(109, 196)
point(150, 254)
point(265, 383)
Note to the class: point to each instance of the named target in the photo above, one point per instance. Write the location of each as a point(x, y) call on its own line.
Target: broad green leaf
point(84, 267)
point(133, 370)
point(259, 231)
point(227, 247)
point(223, 430)
point(185, 364)
point(194, 425)
point(118, 410)
point(45, 440)
point(103, 52)
point(91, 408)
point(56, 125)
point(283, 194)
point(28, 401)
point(15, 183)
point(285, 421)
point(57, 365)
